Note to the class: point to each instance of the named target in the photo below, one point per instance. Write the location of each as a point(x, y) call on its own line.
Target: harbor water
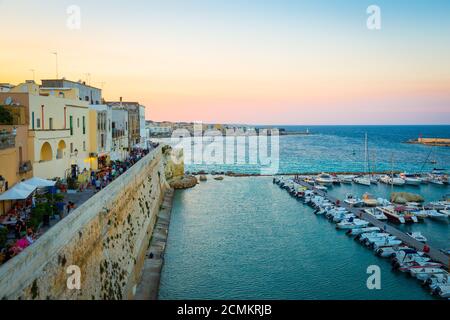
point(245, 238)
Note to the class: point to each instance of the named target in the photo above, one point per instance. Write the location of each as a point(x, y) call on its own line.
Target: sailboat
point(364, 180)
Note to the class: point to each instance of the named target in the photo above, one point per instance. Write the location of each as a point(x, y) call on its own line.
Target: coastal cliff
point(106, 238)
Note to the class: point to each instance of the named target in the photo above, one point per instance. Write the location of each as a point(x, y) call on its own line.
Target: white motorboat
point(343, 216)
point(363, 236)
point(384, 179)
point(321, 187)
point(396, 181)
point(352, 201)
point(362, 180)
point(424, 273)
point(437, 279)
point(443, 290)
point(407, 266)
point(385, 243)
point(446, 212)
point(389, 252)
point(352, 223)
point(358, 231)
point(376, 213)
point(418, 236)
point(324, 179)
point(346, 179)
point(435, 215)
point(392, 180)
point(369, 200)
point(411, 179)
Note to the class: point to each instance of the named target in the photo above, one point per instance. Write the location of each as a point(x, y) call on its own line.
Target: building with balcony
point(58, 129)
point(14, 157)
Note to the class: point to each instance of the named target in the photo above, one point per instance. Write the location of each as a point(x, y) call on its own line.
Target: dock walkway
point(148, 287)
point(434, 253)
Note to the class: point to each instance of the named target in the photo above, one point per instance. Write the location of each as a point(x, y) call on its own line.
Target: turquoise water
point(341, 148)
point(245, 238)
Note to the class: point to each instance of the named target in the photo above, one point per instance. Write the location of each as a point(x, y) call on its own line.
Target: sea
point(245, 238)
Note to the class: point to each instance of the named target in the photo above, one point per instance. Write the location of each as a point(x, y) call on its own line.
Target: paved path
point(434, 254)
point(151, 274)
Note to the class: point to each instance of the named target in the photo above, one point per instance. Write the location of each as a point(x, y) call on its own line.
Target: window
point(84, 125)
point(78, 122)
point(102, 142)
point(38, 123)
point(50, 123)
point(84, 145)
point(71, 147)
point(71, 126)
point(32, 121)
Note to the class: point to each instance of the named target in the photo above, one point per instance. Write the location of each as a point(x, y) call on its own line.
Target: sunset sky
point(236, 61)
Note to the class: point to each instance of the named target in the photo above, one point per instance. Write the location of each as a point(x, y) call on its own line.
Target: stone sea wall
point(106, 237)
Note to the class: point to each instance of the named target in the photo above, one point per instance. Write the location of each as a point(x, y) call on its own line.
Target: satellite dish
point(8, 101)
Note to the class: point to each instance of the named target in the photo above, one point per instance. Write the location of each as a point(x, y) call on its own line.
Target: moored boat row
point(405, 259)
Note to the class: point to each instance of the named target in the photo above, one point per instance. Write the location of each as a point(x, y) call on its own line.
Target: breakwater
point(105, 240)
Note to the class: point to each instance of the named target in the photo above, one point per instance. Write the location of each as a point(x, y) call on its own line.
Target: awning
point(19, 192)
point(39, 182)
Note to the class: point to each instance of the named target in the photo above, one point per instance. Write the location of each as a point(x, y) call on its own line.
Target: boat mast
point(365, 155)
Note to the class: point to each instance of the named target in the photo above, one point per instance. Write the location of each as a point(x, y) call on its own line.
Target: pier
point(436, 142)
point(433, 253)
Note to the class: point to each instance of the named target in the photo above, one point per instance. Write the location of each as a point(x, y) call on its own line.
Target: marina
point(377, 234)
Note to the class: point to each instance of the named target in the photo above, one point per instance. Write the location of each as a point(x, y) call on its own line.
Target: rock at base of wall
point(203, 178)
point(184, 182)
point(404, 197)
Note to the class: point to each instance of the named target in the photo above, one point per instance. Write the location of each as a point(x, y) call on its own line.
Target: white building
point(142, 131)
point(119, 127)
point(104, 132)
point(155, 129)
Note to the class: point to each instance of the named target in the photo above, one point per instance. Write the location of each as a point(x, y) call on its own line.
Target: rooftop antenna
point(56, 61)
point(88, 78)
point(32, 70)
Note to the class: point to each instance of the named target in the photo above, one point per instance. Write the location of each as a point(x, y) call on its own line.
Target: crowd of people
point(15, 227)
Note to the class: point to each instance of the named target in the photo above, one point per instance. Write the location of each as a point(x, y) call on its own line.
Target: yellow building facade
point(59, 130)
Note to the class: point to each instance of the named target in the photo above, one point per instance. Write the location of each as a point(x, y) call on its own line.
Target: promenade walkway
point(151, 273)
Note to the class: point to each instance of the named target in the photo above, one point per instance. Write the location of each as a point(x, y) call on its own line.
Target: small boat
point(418, 236)
point(346, 179)
point(424, 273)
point(352, 223)
point(385, 243)
point(324, 179)
point(369, 200)
point(435, 215)
point(407, 266)
point(446, 212)
point(411, 179)
point(399, 215)
point(376, 213)
point(362, 180)
point(358, 231)
point(396, 181)
point(352, 201)
point(390, 252)
point(442, 290)
point(321, 187)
